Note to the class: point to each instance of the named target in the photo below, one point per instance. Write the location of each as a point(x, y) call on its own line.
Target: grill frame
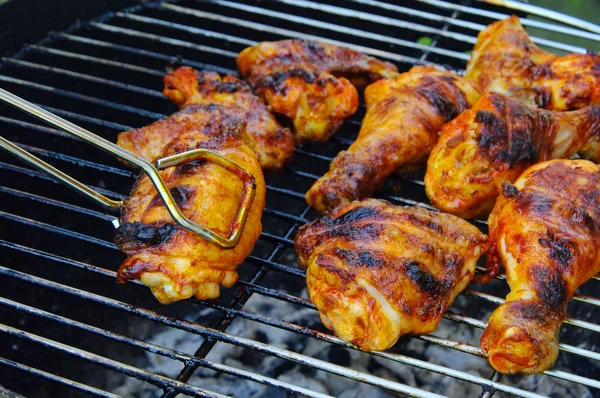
point(280, 242)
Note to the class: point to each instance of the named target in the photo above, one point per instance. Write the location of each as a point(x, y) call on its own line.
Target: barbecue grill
point(69, 330)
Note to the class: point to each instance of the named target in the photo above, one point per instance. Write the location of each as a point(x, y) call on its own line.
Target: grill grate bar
point(559, 374)
point(525, 21)
point(275, 266)
point(60, 133)
point(498, 300)
point(159, 350)
point(87, 119)
point(153, 378)
point(77, 161)
point(88, 58)
point(146, 53)
point(305, 21)
point(56, 203)
point(37, 127)
point(162, 39)
point(489, 393)
point(347, 12)
point(216, 334)
point(476, 26)
point(292, 34)
point(82, 76)
point(189, 29)
point(60, 259)
point(545, 13)
point(49, 376)
point(43, 176)
point(417, 27)
point(81, 97)
point(585, 299)
point(57, 230)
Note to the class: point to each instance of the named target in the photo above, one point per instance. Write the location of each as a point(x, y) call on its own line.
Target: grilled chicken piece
point(376, 271)
point(494, 142)
point(207, 100)
point(505, 60)
point(545, 230)
point(401, 126)
point(300, 79)
point(175, 263)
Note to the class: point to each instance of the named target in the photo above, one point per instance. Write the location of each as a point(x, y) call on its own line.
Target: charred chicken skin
point(300, 80)
point(175, 263)
point(505, 60)
point(376, 271)
point(207, 100)
point(493, 143)
point(545, 231)
point(401, 126)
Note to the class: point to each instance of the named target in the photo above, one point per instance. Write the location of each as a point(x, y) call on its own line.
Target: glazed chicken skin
point(494, 142)
point(207, 100)
point(177, 264)
point(300, 80)
point(545, 231)
point(401, 126)
point(376, 271)
point(505, 60)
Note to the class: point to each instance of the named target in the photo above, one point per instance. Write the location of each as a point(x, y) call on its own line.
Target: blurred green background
point(588, 10)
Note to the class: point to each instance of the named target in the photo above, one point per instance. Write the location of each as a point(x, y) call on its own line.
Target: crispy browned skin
point(495, 142)
point(300, 79)
point(505, 60)
point(376, 271)
point(207, 100)
point(401, 126)
point(545, 230)
point(177, 264)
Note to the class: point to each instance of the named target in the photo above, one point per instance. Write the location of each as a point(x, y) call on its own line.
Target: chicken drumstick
point(545, 230)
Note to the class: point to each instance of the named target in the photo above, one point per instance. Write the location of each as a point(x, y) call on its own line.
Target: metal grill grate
point(106, 76)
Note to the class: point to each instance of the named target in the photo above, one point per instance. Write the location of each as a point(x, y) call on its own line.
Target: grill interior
point(69, 330)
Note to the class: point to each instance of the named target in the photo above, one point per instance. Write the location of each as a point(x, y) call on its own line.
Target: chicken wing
point(175, 263)
point(545, 230)
point(505, 60)
point(401, 126)
point(300, 80)
point(376, 271)
point(494, 142)
point(207, 100)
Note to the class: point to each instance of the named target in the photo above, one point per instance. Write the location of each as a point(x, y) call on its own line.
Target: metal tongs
point(227, 242)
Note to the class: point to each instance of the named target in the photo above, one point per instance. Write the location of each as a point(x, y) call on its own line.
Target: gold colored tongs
point(228, 242)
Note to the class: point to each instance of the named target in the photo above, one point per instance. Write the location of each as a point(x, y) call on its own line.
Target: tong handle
point(227, 242)
point(62, 177)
